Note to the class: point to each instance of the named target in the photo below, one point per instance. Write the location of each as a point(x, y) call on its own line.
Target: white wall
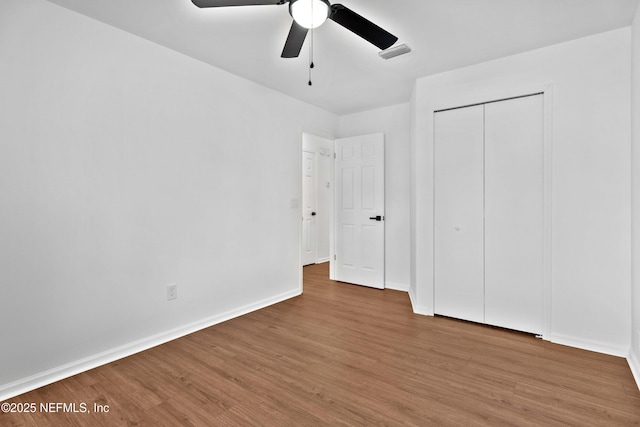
point(634, 356)
point(590, 280)
point(394, 123)
point(323, 148)
point(125, 166)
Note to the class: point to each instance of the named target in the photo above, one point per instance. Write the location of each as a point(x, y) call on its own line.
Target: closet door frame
point(484, 97)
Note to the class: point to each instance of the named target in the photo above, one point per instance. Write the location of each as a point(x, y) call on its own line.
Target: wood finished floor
point(348, 355)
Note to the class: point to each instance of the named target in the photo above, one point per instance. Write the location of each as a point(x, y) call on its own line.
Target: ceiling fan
point(308, 14)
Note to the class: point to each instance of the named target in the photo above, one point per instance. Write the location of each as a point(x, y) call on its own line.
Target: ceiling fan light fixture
point(309, 13)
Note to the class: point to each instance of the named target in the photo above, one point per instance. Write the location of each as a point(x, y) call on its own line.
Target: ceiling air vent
point(392, 52)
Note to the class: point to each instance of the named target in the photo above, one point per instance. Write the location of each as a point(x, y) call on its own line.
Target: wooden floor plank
point(346, 355)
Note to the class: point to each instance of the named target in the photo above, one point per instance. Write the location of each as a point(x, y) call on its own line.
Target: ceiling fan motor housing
point(309, 13)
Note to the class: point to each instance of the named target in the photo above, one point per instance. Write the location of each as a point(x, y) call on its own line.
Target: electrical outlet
point(172, 292)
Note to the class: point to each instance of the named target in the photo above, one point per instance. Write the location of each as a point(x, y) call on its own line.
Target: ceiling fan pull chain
point(311, 65)
point(311, 48)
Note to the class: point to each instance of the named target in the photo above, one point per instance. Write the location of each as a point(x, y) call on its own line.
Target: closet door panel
point(459, 258)
point(514, 136)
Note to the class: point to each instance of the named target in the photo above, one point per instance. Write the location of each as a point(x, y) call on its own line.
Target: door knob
point(313, 214)
point(376, 218)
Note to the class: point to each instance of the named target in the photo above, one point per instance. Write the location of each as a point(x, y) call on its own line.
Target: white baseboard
point(396, 286)
point(322, 260)
point(634, 364)
point(40, 379)
point(598, 347)
point(416, 308)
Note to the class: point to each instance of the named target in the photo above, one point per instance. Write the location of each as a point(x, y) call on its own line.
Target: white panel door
point(309, 226)
point(360, 210)
point(514, 213)
point(459, 228)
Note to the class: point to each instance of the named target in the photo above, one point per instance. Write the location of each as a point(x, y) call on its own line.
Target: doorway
point(342, 207)
point(317, 199)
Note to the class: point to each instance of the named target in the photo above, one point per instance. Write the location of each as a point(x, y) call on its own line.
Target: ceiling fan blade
point(294, 42)
point(362, 27)
point(224, 3)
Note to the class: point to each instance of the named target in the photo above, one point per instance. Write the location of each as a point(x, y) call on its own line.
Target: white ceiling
point(349, 75)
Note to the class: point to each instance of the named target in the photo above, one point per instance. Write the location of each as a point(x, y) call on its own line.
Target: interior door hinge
point(335, 257)
point(335, 156)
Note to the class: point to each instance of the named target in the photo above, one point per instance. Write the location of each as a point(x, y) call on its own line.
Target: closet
point(489, 213)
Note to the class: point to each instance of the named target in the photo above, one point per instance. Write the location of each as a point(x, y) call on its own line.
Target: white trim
point(547, 229)
point(416, 308)
point(49, 376)
point(322, 260)
point(332, 214)
point(299, 213)
point(598, 347)
point(396, 286)
point(634, 365)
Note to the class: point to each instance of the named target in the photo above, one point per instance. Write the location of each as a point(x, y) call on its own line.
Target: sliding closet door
point(514, 213)
point(459, 247)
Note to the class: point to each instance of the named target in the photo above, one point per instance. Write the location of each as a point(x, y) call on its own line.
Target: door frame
point(494, 96)
point(331, 197)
